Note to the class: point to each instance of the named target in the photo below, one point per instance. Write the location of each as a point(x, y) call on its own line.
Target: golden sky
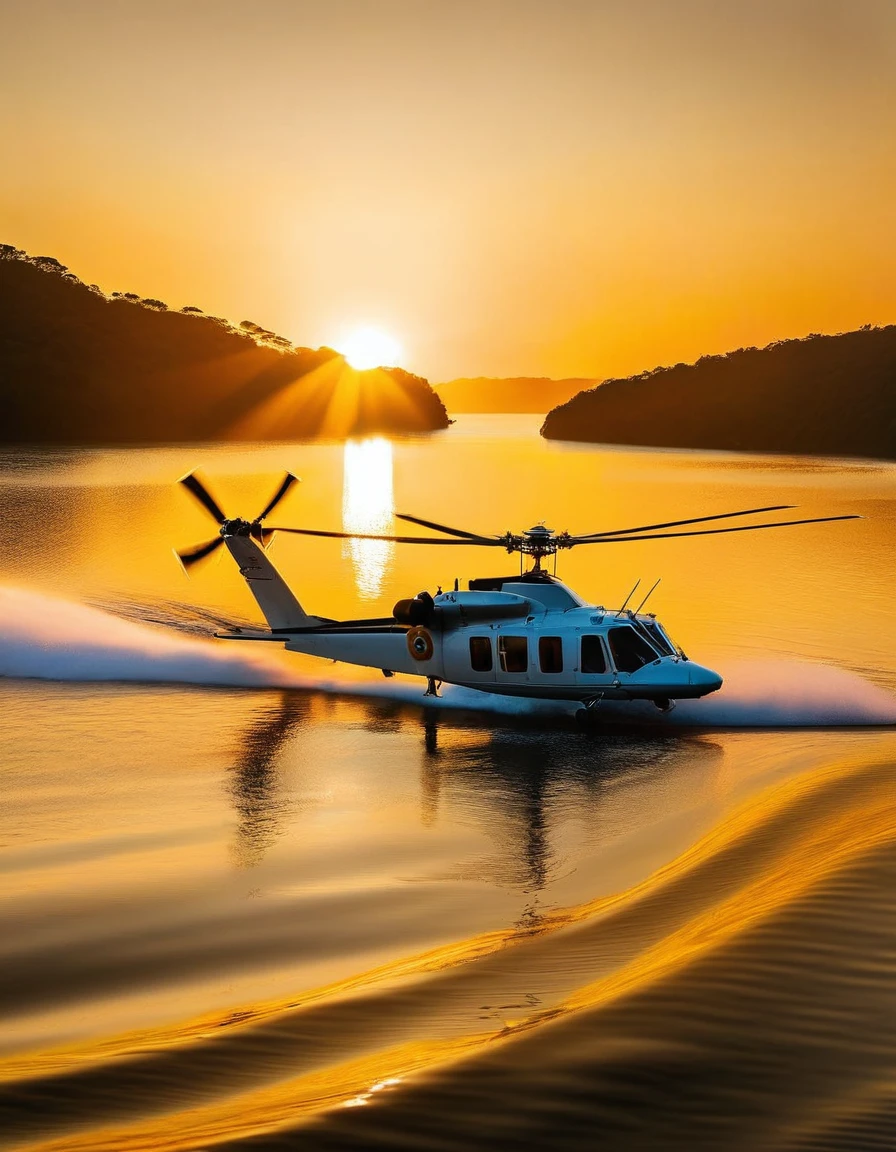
point(510, 187)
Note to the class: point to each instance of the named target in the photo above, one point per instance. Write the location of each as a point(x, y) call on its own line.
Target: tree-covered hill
point(78, 366)
point(823, 395)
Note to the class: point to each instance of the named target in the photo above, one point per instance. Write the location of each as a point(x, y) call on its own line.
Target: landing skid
point(588, 715)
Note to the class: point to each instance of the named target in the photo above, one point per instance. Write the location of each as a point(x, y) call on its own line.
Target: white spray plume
point(781, 693)
point(47, 638)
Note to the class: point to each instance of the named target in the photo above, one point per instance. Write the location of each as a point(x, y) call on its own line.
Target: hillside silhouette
point(78, 366)
point(823, 395)
point(534, 394)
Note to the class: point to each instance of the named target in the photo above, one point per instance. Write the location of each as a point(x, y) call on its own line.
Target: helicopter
point(526, 634)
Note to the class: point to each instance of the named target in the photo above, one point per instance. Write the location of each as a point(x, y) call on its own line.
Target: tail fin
point(275, 599)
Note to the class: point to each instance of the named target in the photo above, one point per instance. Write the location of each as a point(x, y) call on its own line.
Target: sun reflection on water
point(368, 506)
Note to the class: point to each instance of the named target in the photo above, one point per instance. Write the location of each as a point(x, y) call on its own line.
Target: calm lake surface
point(252, 900)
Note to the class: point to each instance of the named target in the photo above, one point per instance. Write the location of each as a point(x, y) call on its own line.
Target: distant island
point(822, 395)
point(78, 366)
point(536, 394)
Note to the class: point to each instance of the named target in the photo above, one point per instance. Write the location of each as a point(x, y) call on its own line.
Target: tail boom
point(273, 595)
point(375, 643)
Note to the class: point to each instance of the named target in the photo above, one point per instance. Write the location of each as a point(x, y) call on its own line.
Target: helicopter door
point(549, 664)
point(513, 656)
point(470, 656)
point(593, 665)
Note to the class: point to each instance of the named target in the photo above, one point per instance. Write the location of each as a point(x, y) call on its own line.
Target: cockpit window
point(658, 637)
point(630, 651)
point(594, 660)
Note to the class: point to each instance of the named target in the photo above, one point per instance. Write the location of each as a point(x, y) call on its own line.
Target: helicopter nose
point(704, 678)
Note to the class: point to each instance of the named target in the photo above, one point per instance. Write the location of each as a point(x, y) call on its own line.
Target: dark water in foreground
point(264, 903)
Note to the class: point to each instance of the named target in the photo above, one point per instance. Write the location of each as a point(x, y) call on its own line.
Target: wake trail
point(47, 638)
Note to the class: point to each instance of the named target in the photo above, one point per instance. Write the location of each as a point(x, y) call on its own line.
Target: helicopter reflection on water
point(519, 781)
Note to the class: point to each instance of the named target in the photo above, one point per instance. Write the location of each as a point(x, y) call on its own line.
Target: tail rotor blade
point(192, 556)
point(287, 483)
point(194, 485)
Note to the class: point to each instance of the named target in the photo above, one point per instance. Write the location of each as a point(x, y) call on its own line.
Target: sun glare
point(370, 348)
point(368, 507)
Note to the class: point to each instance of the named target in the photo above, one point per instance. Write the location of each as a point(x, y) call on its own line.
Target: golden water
point(315, 913)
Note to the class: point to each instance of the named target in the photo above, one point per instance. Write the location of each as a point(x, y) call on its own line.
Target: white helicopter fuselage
point(528, 636)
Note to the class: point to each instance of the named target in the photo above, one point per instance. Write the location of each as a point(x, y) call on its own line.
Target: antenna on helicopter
point(622, 609)
point(647, 597)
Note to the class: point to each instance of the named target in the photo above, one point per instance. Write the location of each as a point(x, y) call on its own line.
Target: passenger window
point(480, 654)
point(514, 653)
point(593, 660)
point(550, 654)
point(630, 651)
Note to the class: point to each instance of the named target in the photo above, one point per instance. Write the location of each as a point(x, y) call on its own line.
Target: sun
point(370, 348)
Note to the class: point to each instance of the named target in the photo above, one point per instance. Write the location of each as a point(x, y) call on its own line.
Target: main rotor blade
point(706, 531)
point(193, 484)
point(288, 481)
point(679, 523)
point(477, 542)
point(193, 555)
point(442, 527)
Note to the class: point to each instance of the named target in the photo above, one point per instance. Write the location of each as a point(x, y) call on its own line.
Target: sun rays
point(334, 400)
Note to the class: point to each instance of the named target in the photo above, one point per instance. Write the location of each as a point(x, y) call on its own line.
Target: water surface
point(252, 900)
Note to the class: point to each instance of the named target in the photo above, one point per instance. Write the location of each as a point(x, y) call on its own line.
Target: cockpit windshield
point(659, 638)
